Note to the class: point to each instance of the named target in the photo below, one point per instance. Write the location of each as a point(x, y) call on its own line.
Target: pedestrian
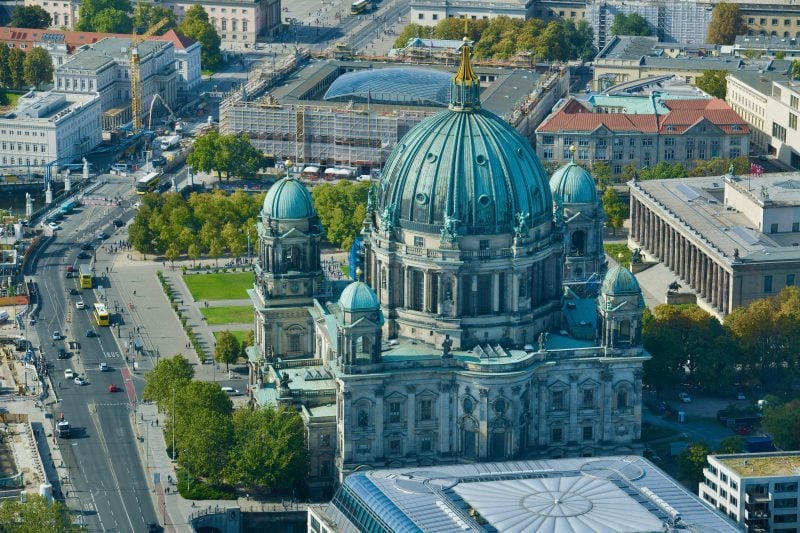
point(134, 292)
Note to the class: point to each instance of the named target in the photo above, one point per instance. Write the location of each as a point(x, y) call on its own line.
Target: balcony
point(757, 514)
point(757, 497)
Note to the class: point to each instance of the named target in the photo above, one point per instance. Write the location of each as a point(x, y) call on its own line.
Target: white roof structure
point(618, 494)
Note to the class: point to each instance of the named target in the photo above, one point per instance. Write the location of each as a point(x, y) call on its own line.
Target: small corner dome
point(572, 184)
point(288, 199)
point(620, 281)
point(358, 296)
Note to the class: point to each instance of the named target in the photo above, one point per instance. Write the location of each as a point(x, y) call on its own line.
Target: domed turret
point(358, 296)
point(466, 166)
point(572, 184)
point(288, 199)
point(620, 281)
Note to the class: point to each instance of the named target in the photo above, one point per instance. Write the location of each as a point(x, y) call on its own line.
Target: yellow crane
point(136, 82)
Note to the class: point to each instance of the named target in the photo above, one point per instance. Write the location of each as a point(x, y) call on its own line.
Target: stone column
point(411, 417)
point(726, 293)
point(515, 292)
point(540, 411)
point(426, 287)
point(440, 293)
point(378, 450)
point(446, 422)
point(607, 392)
point(483, 424)
point(573, 408)
point(495, 292)
point(407, 286)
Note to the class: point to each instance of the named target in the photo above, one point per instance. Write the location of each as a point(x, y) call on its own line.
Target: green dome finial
point(465, 91)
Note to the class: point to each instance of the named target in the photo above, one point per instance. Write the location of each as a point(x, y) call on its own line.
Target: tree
point(783, 423)
point(719, 167)
point(663, 170)
point(5, 70)
point(341, 209)
point(31, 17)
point(37, 67)
point(227, 349)
point(112, 20)
point(714, 83)
point(249, 340)
point(601, 172)
point(269, 450)
point(168, 375)
point(726, 23)
point(796, 69)
point(16, 68)
point(732, 444)
point(91, 8)
point(633, 24)
point(202, 157)
point(35, 515)
point(691, 463)
point(616, 211)
point(196, 25)
point(173, 252)
point(194, 252)
point(147, 15)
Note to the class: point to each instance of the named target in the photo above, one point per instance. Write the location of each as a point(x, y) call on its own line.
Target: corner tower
point(460, 239)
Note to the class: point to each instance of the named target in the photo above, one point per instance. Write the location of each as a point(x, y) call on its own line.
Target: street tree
point(269, 449)
point(691, 463)
point(796, 69)
point(783, 423)
point(147, 15)
point(616, 211)
point(5, 70)
point(662, 171)
point(719, 167)
point(91, 8)
point(35, 515)
point(714, 83)
point(37, 67)
point(173, 252)
point(227, 348)
point(16, 68)
point(633, 24)
point(249, 340)
point(726, 23)
point(112, 20)
point(31, 17)
point(195, 24)
point(203, 155)
point(341, 209)
point(732, 444)
point(169, 374)
point(601, 172)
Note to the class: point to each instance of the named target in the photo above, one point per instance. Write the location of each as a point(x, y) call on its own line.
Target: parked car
point(684, 397)
point(79, 381)
point(53, 226)
point(743, 429)
point(230, 391)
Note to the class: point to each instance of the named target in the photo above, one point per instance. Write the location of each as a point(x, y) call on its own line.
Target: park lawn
point(239, 334)
point(13, 97)
point(219, 286)
point(615, 250)
point(229, 314)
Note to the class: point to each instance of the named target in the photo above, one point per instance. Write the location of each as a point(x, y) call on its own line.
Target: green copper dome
point(358, 296)
point(572, 184)
point(288, 199)
point(465, 166)
point(620, 281)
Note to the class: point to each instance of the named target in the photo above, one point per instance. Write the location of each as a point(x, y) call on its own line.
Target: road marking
point(112, 354)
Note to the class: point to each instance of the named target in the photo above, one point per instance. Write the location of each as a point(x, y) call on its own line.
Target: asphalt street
point(107, 481)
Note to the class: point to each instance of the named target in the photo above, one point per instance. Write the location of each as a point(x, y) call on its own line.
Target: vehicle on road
point(84, 255)
point(91, 333)
point(104, 367)
point(102, 235)
point(62, 353)
point(148, 183)
point(87, 246)
point(56, 335)
point(356, 8)
point(101, 315)
point(69, 373)
point(113, 388)
point(73, 290)
point(70, 271)
point(63, 429)
point(69, 206)
point(85, 277)
point(80, 305)
point(118, 223)
point(230, 391)
point(53, 226)
point(684, 397)
point(743, 429)
point(740, 396)
point(79, 381)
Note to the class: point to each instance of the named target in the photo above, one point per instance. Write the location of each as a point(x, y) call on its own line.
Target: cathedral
point(484, 324)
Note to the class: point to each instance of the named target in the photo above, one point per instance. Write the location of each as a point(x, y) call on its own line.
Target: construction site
point(350, 114)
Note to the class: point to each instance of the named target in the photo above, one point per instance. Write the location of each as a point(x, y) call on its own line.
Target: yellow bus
point(101, 315)
point(85, 277)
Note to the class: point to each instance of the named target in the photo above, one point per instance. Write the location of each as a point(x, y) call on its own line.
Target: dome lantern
point(465, 93)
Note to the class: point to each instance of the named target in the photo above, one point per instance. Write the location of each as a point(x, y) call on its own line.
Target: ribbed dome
point(465, 164)
point(358, 296)
point(572, 184)
point(288, 199)
point(620, 281)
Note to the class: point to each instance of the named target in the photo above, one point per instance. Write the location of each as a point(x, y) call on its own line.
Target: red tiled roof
point(180, 41)
point(75, 39)
point(683, 114)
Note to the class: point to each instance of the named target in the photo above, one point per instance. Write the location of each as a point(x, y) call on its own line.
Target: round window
point(421, 198)
point(520, 153)
point(468, 405)
point(431, 158)
point(481, 159)
point(500, 406)
point(484, 200)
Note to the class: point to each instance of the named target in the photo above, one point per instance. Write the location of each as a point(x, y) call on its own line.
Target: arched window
point(364, 348)
point(624, 330)
point(622, 398)
point(292, 259)
point(469, 437)
point(578, 247)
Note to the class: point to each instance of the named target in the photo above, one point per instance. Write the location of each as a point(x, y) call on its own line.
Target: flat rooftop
point(762, 464)
point(612, 494)
point(699, 203)
point(111, 49)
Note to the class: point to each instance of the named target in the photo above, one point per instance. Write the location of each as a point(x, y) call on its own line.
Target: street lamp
point(173, 425)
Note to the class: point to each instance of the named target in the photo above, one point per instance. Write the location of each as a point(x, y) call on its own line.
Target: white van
point(230, 391)
point(3, 316)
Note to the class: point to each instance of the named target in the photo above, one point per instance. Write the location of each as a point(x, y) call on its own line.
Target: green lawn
point(219, 286)
point(229, 314)
point(13, 97)
point(238, 334)
point(617, 249)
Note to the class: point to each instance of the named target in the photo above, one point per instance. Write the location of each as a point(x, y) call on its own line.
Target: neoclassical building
point(460, 341)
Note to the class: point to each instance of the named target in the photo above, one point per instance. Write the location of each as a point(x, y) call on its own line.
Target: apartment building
point(758, 490)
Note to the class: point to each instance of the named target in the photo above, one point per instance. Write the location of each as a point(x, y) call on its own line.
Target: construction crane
point(136, 82)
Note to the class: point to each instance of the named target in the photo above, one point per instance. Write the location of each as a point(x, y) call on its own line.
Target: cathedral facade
point(483, 325)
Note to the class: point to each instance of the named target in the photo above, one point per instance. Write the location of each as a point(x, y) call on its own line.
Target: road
point(106, 474)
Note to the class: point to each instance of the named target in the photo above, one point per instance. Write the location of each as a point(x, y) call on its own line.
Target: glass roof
point(419, 86)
